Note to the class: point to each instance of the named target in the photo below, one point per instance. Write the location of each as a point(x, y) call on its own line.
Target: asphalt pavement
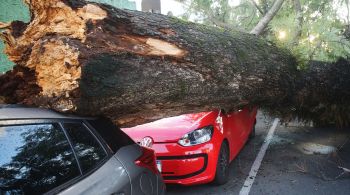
point(299, 160)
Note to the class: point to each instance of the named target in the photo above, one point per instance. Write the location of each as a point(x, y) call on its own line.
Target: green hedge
point(11, 10)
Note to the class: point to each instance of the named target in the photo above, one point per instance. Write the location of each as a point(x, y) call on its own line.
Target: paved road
point(285, 168)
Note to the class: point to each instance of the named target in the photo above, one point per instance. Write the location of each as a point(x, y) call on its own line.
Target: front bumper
point(188, 165)
point(183, 167)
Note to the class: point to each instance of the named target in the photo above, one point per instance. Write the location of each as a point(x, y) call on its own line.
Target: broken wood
point(93, 59)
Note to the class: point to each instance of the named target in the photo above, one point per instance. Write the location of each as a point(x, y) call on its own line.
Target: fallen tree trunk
point(136, 67)
point(322, 94)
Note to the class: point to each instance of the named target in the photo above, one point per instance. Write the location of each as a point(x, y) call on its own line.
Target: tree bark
point(134, 67)
point(259, 28)
point(323, 93)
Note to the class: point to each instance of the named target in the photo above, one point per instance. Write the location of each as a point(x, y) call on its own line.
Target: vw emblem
point(146, 142)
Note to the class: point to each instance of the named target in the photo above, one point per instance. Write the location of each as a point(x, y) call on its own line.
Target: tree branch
point(299, 18)
point(257, 7)
point(259, 28)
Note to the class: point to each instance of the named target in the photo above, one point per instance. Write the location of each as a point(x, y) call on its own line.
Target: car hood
point(171, 129)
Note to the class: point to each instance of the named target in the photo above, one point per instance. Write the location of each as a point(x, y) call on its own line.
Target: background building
point(151, 6)
point(125, 4)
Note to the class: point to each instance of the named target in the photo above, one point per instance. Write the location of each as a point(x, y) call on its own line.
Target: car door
point(236, 130)
point(248, 115)
point(35, 159)
point(245, 119)
point(102, 173)
point(232, 132)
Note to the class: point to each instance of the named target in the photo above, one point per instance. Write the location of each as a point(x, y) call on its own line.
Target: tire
point(222, 166)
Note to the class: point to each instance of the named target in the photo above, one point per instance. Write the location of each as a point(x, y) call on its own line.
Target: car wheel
point(252, 133)
point(222, 166)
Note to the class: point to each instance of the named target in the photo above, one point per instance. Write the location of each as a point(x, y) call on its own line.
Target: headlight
point(198, 136)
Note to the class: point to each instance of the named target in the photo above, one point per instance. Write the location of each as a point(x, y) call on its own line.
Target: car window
point(88, 150)
point(34, 159)
point(111, 134)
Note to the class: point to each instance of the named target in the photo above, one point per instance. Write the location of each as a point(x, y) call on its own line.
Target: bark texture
point(135, 67)
point(323, 93)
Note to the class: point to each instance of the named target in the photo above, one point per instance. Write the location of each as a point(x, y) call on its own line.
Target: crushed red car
point(196, 148)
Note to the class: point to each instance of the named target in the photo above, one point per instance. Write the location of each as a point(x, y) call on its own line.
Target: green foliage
point(320, 35)
point(5, 64)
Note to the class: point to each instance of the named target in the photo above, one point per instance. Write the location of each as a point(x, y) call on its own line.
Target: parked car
point(42, 151)
point(197, 148)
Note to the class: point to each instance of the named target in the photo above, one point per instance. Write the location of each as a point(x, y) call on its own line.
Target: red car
point(196, 148)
